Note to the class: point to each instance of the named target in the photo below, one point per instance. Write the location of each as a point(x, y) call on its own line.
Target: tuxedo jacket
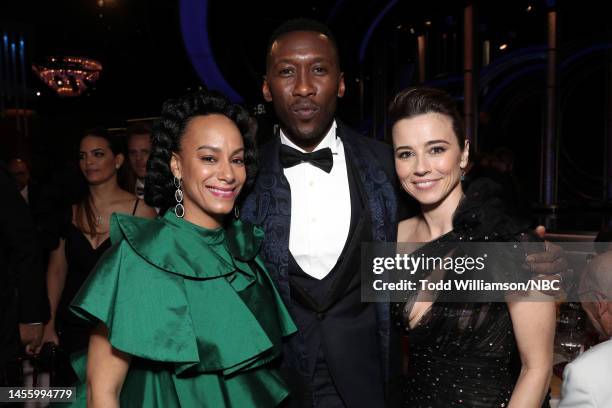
point(23, 295)
point(268, 205)
point(586, 380)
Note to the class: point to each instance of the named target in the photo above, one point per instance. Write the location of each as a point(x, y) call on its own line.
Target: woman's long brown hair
point(85, 214)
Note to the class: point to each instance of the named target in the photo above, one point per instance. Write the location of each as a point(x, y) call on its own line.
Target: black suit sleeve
point(21, 256)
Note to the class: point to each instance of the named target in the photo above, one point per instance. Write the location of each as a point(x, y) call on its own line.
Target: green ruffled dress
point(194, 308)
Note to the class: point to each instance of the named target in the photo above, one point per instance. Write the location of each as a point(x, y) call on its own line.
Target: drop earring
point(179, 210)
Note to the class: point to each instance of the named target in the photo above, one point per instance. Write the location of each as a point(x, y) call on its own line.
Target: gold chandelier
point(68, 76)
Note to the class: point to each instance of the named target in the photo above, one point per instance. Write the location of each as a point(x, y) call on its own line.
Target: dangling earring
point(179, 210)
point(236, 212)
point(462, 175)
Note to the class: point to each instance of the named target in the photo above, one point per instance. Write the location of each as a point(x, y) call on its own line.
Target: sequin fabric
point(463, 354)
point(460, 355)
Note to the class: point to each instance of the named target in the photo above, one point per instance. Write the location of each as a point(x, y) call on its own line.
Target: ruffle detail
point(185, 249)
point(185, 317)
point(481, 214)
point(480, 219)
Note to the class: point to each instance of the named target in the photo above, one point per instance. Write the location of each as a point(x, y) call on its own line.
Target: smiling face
point(303, 80)
point(211, 165)
point(97, 161)
point(139, 148)
point(428, 158)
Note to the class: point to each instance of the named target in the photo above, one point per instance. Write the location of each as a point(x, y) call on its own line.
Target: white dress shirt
point(139, 189)
point(25, 194)
point(320, 209)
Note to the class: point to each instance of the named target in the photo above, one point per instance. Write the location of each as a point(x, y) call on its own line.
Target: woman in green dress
point(185, 314)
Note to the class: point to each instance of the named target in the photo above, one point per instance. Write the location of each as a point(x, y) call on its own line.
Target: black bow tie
point(322, 159)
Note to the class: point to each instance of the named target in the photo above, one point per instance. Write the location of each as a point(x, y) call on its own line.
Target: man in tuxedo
point(586, 380)
point(24, 307)
point(321, 191)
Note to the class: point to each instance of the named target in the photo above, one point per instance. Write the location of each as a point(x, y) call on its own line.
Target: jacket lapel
point(269, 206)
point(382, 200)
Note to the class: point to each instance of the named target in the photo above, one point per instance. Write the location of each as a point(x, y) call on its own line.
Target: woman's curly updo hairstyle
point(168, 130)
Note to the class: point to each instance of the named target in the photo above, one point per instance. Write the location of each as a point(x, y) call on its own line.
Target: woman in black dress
point(85, 235)
point(461, 353)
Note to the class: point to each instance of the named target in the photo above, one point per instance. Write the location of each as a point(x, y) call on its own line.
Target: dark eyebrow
point(99, 149)
point(213, 148)
point(436, 141)
point(431, 142)
point(217, 150)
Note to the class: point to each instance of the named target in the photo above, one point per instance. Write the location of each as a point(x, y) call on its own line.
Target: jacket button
point(320, 316)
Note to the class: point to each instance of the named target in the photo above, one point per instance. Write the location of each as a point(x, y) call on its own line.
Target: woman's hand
point(50, 334)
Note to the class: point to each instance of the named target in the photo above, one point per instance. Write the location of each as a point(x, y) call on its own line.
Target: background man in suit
point(21, 173)
point(139, 149)
point(586, 380)
point(23, 298)
point(321, 191)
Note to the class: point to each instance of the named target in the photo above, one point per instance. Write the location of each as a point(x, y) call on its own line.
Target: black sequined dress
point(464, 354)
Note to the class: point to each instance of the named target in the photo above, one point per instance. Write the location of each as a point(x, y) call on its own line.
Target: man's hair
point(302, 24)
point(138, 128)
point(597, 277)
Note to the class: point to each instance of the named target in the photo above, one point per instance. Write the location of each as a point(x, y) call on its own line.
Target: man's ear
point(601, 305)
point(341, 86)
point(265, 90)
point(175, 166)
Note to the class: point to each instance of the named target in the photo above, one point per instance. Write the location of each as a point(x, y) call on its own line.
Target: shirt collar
point(330, 140)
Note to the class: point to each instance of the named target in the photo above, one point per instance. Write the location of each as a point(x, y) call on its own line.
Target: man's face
point(303, 80)
point(139, 148)
point(20, 172)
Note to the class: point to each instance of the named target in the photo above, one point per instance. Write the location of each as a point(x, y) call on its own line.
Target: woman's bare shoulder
point(128, 206)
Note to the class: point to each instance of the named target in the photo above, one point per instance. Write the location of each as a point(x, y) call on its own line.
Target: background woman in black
point(85, 235)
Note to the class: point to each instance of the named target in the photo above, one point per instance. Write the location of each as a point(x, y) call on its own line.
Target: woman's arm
point(56, 278)
point(534, 330)
point(106, 370)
